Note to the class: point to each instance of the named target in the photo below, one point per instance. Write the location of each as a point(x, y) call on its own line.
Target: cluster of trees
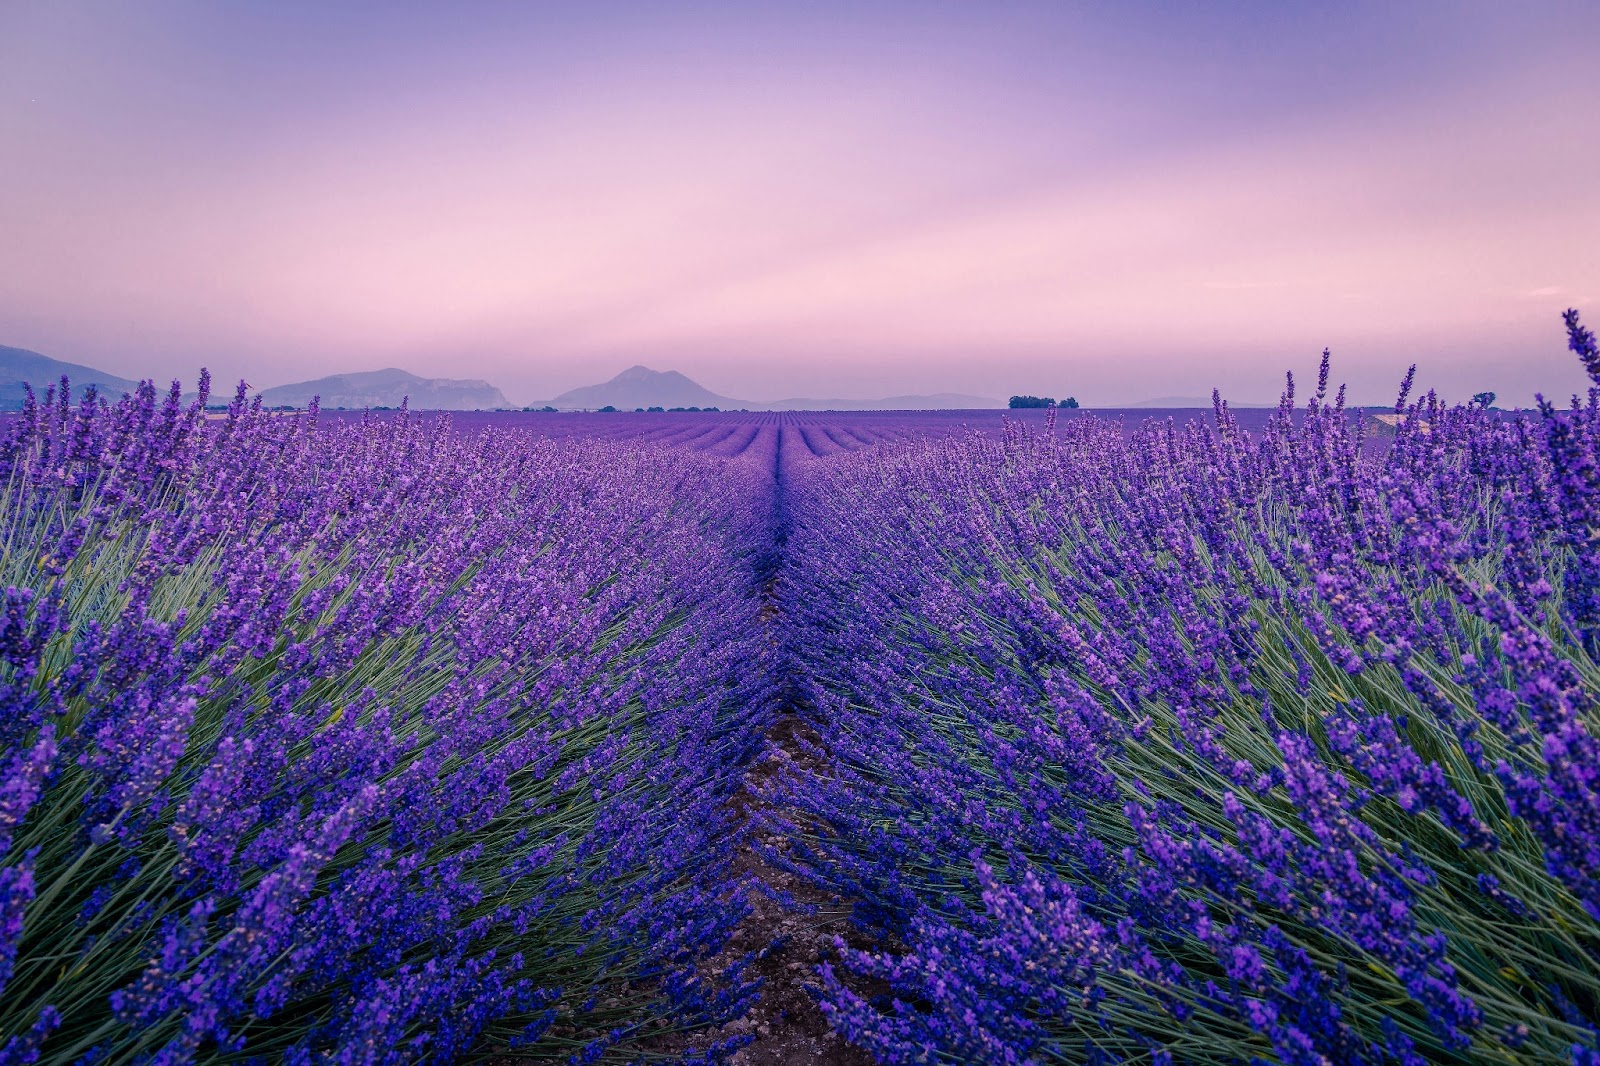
point(1042, 401)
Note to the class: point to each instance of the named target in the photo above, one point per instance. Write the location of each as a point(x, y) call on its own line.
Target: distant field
point(817, 432)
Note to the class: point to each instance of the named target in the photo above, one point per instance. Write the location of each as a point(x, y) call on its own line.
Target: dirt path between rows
point(787, 1025)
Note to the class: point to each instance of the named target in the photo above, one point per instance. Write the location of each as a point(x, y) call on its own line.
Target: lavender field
point(1250, 737)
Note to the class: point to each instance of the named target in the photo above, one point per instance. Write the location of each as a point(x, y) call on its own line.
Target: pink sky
point(827, 204)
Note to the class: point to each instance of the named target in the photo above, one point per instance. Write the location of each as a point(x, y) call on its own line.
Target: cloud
point(1548, 290)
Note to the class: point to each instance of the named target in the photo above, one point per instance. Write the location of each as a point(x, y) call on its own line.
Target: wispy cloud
point(1548, 290)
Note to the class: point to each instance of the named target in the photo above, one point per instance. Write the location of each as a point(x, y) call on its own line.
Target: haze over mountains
point(376, 388)
point(19, 365)
point(637, 386)
point(389, 388)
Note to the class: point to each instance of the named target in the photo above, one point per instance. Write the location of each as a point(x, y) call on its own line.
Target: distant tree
point(711, 408)
point(608, 410)
point(1070, 401)
point(548, 408)
point(1483, 399)
point(656, 410)
point(1031, 401)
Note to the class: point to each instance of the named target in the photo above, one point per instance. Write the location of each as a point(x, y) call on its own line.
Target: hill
point(639, 386)
point(19, 365)
point(387, 388)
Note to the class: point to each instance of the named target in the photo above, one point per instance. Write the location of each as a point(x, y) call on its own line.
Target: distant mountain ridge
point(389, 388)
point(375, 388)
point(20, 365)
point(639, 386)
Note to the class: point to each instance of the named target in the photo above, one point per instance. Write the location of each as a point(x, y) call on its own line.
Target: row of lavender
point(367, 743)
point(1201, 745)
point(811, 434)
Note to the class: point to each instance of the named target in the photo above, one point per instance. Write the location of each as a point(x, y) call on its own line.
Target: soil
point(788, 1026)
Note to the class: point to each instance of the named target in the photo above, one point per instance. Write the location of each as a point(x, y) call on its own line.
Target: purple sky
point(1117, 201)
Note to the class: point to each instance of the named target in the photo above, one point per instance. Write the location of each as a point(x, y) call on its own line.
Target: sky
point(1112, 201)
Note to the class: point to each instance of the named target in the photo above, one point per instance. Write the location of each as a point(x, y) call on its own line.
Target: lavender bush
point(1202, 745)
point(369, 743)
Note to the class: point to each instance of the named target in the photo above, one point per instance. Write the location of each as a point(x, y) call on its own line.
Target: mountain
point(19, 365)
point(387, 388)
point(639, 386)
